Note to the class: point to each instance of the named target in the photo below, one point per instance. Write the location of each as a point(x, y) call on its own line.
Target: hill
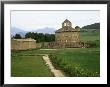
point(15, 30)
point(92, 26)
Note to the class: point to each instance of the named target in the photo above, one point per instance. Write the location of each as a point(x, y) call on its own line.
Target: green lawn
point(28, 66)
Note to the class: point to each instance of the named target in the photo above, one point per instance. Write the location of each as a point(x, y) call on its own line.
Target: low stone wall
point(38, 45)
point(65, 45)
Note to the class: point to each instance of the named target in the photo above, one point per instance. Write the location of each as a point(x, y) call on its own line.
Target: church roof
point(66, 29)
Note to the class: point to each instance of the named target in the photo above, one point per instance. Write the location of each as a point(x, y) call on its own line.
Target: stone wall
point(38, 45)
point(22, 45)
point(67, 37)
point(67, 45)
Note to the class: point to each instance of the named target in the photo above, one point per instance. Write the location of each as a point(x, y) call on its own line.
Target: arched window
point(66, 41)
point(64, 24)
point(68, 24)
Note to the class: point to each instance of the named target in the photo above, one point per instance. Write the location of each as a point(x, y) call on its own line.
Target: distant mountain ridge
point(46, 30)
point(15, 30)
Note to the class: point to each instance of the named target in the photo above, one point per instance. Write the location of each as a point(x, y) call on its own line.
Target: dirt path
point(57, 73)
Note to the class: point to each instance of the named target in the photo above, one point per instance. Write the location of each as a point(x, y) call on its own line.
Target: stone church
point(67, 35)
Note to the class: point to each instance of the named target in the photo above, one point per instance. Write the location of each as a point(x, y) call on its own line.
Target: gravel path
point(57, 73)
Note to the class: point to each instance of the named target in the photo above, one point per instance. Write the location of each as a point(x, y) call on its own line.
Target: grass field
point(89, 36)
point(88, 59)
point(28, 66)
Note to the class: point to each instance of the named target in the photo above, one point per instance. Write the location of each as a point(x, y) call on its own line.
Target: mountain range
point(46, 30)
point(15, 30)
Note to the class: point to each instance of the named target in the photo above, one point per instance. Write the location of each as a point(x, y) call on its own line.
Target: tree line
point(39, 37)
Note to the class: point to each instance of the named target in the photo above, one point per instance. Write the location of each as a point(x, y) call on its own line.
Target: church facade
point(67, 35)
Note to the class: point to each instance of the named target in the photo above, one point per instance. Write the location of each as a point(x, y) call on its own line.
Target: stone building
point(67, 35)
point(23, 44)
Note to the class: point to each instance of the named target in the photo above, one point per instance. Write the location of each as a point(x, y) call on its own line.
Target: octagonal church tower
point(67, 34)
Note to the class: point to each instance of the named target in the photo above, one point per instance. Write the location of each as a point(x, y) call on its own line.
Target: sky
point(33, 20)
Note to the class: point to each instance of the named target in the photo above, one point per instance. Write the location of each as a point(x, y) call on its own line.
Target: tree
point(49, 37)
point(40, 37)
point(32, 35)
point(17, 36)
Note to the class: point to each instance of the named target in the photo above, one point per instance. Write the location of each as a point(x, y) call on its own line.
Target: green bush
point(73, 71)
point(93, 44)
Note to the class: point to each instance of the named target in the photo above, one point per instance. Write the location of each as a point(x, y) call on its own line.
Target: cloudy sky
point(32, 20)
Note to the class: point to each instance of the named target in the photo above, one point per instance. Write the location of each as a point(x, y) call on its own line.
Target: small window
point(66, 41)
point(66, 35)
point(64, 24)
point(68, 24)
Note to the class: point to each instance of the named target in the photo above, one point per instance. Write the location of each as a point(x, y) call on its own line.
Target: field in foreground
point(23, 65)
point(78, 62)
point(81, 60)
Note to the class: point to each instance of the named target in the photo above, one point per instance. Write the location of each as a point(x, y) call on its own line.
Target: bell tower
point(66, 23)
